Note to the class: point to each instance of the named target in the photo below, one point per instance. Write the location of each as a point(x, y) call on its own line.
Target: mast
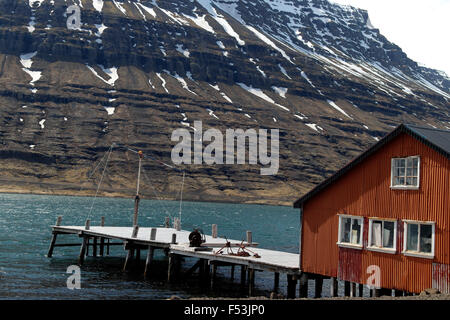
point(137, 198)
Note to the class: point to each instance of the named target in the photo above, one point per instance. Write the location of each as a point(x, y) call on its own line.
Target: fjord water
point(25, 233)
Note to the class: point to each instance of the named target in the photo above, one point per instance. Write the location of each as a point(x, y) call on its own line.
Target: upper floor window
point(350, 231)
point(382, 235)
point(419, 238)
point(405, 172)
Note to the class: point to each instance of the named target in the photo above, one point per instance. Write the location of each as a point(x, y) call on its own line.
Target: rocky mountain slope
point(134, 71)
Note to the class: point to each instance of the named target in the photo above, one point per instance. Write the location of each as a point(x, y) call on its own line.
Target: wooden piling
point(334, 287)
point(360, 290)
point(243, 275)
point(170, 267)
point(318, 287)
point(84, 243)
point(58, 221)
point(303, 287)
point(129, 258)
point(138, 257)
point(87, 246)
point(148, 261)
point(346, 288)
point(249, 237)
point(232, 272)
point(167, 222)
point(213, 274)
point(87, 225)
point(52, 245)
point(153, 233)
point(214, 230)
point(353, 289)
point(102, 221)
point(94, 247)
point(102, 246)
point(251, 282)
point(276, 282)
point(135, 231)
point(291, 284)
point(174, 238)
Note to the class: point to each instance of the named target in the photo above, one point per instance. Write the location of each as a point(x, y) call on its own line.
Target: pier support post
point(138, 257)
point(334, 287)
point(170, 269)
point(352, 289)
point(148, 261)
point(52, 245)
point(291, 284)
point(249, 237)
point(243, 275)
point(232, 272)
point(128, 259)
point(318, 287)
point(94, 248)
point(102, 246)
point(251, 282)
point(204, 272)
point(214, 230)
point(213, 274)
point(84, 244)
point(303, 287)
point(276, 282)
point(346, 288)
point(398, 293)
point(360, 290)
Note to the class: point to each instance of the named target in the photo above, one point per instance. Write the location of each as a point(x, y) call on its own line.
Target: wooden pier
point(212, 253)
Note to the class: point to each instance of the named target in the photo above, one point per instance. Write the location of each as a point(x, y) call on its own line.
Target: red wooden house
point(384, 218)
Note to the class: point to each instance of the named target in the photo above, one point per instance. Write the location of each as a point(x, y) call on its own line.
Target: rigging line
point(155, 193)
point(101, 179)
point(150, 157)
point(181, 195)
point(66, 207)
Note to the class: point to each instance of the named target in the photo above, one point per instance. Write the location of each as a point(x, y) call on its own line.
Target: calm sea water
point(25, 233)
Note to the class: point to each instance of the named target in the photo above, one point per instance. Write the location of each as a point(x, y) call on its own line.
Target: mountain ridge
point(137, 70)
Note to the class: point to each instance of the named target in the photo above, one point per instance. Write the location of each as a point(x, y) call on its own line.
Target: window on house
point(419, 238)
point(405, 172)
point(350, 230)
point(382, 234)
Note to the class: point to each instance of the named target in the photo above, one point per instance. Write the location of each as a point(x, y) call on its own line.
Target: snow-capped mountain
point(133, 71)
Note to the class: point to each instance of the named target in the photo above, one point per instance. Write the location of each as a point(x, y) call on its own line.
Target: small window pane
point(409, 172)
point(412, 233)
point(425, 238)
point(376, 234)
point(409, 182)
point(415, 182)
point(356, 231)
point(400, 162)
point(401, 181)
point(345, 233)
point(415, 162)
point(409, 162)
point(388, 234)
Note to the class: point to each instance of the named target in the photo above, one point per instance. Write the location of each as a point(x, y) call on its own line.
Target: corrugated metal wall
point(365, 191)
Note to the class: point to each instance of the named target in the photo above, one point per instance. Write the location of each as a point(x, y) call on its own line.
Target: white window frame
point(405, 239)
point(361, 236)
point(405, 187)
point(385, 250)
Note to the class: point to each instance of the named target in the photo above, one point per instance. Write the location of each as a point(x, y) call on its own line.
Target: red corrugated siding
point(349, 264)
point(441, 277)
point(365, 191)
